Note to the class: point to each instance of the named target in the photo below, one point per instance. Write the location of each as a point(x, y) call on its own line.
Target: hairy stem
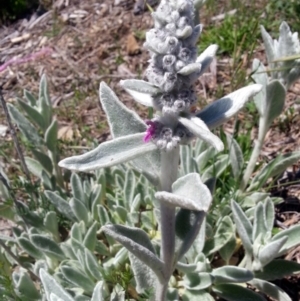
point(169, 170)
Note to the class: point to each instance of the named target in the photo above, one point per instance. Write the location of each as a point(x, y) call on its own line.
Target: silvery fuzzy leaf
point(60, 204)
point(78, 278)
point(91, 237)
point(189, 69)
point(227, 274)
point(260, 76)
point(254, 198)
point(143, 275)
point(129, 188)
point(51, 136)
point(270, 289)
point(140, 90)
point(49, 247)
point(33, 114)
point(103, 215)
point(197, 127)
point(187, 226)
point(100, 293)
point(233, 292)
point(269, 44)
point(51, 224)
point(221, 110)
point(44, 160)
point(92, 265)
point(259, 223)
point(30, 98)
point(203, 158)
point(34, 166)
point(293, 238)
point(197, 281)
point(274, 102)
point(187, 192)
point(122, 122)
point(50, 285)
point(236, 156)
point(29, 216)
point(243, 226)
point(217, 168)
point(188, 164)
point(27, 129)
point(269, 212)
point(293, 75)
point(26, 287)
point(221, 237)
point(285, 41)
point(206, 57)
point(135, 204)
point(77, 189)
point(202, 295)
point(110, 153)
point(79, 210)
point(44, 102)
point(278, 269)
point(28, 247)
point(138, 243)
point(274, 168)
point(228, 249)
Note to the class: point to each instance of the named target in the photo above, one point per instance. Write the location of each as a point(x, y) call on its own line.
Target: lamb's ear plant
point(282, 71)
point(152, 146)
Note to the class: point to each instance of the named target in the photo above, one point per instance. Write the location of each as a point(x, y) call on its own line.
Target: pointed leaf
point(91, 237)
point(33, 114)
point(278, 269)
point(269, 45)
point(216, 169)
point(28, 247)
point(236, 156)
point(232, 292)
point(110, 153)
point(206, 57)
point(92, 265)
point(44, 160)
point(78, 278)
point(123, 121)
point(293, 238)
point(200, 130)
point(270, 289)
point(229, 274)
point(60, 204)
point(274, 168)
point(99, 293)
point(27, 129)
point(47, 246)
point(243, 226)
point(138, 243)
point(50, 285)
point(186, 192)
point(26, 287)
point(79, 210)
point(221, 110)
point(51, 136)
point(259, 223)
point(30, 98)
point(140, 90)
point(269, 212)
point(221, 237)
point(143, 275)
point(274, 102)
